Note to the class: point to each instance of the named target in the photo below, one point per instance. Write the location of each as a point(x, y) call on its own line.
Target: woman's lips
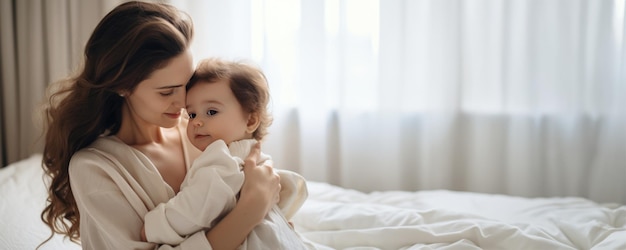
point(173, 115)
point(201, 136)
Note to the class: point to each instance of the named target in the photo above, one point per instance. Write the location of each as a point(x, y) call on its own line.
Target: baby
point(227, 107)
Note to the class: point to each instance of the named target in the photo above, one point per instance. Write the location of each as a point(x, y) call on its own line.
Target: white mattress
point(22, 198)
point(340, 218)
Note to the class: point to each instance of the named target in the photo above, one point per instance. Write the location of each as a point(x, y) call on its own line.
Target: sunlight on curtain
point(517, 97)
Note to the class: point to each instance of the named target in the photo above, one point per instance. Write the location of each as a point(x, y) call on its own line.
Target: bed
point(339, 218)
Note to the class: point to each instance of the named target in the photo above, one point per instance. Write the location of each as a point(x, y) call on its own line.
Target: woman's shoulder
point(102, 153)
point(108, 158)
point(95, 150)
point(106, 144)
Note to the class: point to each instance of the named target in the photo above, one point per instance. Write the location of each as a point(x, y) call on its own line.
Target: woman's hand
point(261, 186)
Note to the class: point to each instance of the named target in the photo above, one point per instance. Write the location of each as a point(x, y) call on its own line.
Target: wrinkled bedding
point(440, 219)
point(22, 198)
point(338, 218)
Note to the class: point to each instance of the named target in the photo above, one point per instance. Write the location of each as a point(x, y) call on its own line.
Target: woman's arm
point(259, 193)
point(293, 192)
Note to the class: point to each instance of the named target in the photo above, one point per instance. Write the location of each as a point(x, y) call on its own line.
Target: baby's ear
point(253, 122)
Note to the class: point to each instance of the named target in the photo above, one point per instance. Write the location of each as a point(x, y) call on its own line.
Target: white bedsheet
point(347, 219)
point(340, 218)
point(22, 199)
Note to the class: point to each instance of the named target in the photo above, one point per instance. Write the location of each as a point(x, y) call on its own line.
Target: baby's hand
point(261, 187)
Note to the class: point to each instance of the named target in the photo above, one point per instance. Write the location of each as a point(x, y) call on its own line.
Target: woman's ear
point(253, 122)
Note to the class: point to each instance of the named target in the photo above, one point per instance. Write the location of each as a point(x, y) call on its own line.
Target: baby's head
point(226, 100)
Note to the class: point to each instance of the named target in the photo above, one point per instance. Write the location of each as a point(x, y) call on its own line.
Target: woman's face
point(215, 114)
point(159, 99)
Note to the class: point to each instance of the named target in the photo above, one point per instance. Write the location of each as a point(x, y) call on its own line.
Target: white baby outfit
point(210, 190)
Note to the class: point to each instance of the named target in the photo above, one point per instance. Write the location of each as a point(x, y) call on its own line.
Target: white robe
point(115, 185)
point(210, 191)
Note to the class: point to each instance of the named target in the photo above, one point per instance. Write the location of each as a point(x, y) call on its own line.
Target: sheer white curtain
point(522, 97)
point(515, 97)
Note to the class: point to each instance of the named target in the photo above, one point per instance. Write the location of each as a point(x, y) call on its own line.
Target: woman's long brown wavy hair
point(129, 43)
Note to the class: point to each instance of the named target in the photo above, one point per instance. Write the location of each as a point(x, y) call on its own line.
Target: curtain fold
point(7, 72)
point(41, 42)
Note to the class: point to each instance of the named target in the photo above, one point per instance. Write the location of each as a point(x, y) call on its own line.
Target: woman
point(115, 143)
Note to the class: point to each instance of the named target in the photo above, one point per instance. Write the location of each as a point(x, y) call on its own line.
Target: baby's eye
point(192, 115)
point(211, 112)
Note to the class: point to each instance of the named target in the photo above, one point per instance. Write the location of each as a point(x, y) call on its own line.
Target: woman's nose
point(179, 101)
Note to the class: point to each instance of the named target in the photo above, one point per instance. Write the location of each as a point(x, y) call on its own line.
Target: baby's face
point(214, 114)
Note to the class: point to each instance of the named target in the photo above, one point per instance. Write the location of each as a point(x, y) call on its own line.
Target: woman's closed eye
point(168, 93)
